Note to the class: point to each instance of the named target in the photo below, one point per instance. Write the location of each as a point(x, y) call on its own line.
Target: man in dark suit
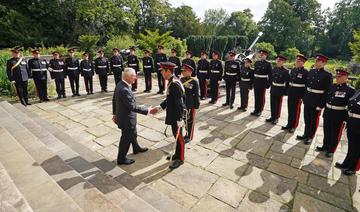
point(124, 115)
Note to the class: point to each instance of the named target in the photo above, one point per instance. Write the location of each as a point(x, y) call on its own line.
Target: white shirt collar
point(126, 83)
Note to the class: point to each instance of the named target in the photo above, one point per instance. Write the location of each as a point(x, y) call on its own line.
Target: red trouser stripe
point(263, 100)
point(298, 108)
point(280, 105)
point(317, 123)
point(206, 88)
point(181, 141)
point(193, 123)
point(339, 135)
point(357, 168)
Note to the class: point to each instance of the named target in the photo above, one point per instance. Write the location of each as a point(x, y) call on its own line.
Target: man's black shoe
point(320, 149)
point(59, 97)
point(269, 119)
point(202, 98)
point(78, 94)
point(301, 137)
point(127, 161)
point(176, 163)
point(308, 141)
point(168, 157)
point(285, 127)
point(225, 104)
point(73, 95)
point(141, 150)
point(275, 121)
point(231, 106)
point(46, 99)
point(291, 130)
point(349, 172)
point(329, 154)
point(340, 165)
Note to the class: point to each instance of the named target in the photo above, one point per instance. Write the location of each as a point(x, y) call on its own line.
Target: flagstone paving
point(236, 162)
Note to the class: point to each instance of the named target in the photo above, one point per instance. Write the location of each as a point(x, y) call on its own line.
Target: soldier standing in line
point(133, 62)
point(279, 84)
point(262, 76)
point(148, 67)
point(38, 68)
point(246, 83)
point(231, 75)
point(203, 74)
point(102, 69)
point(215, 75)
point(298, 76)
point(192, 100)
point(116, 65)
point(72, 70)
point(87, 71)
point(335, 113)
point(176, 60)
point(190, 61)
point(318, 84)
point(160, 57)
point(18, 74)
point(57, 72)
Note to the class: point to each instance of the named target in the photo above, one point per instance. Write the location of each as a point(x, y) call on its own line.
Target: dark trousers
point(128, 136)
point(148, 81)
point(103, 81)
point(135, 84)
point(180, 145)
point(117, 78)
point(41, 88)
point(203, 87)
point(88, 84)
point(214, 90)
point(60, 86)
point(352, 159)
point(74, 83)
point(259, 94)
point(161, 82)
point(311, 118)
point(230, 91)
point(22, 92)
point(275, 104)
point(190, 123)
point(294, 109)
point(244, 96)
point(333, 127)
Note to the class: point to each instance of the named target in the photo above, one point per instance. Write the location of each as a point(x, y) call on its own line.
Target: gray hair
point(128, 72)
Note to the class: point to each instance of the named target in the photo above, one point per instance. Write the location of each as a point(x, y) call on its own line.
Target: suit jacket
point(124, 106)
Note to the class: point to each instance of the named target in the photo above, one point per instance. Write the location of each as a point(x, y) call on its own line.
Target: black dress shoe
point(231, 106)
point(127, 161)
point(349, 172)
point(301, 137)
point(59, 97)
point(275, 121)
point(202, 98)
point(258, 114)
point(253, 113)
point(269, 119)
point(176, 163)
point(285, 127)
point(141, 150)
point(308, 141)
point(225, 104)
point(78, 94)
point(64, 96)
point(168, 157)
point(340, 165)
point(105, 90)
point(329, 154)
point(159, 92)
point(73, 95)
point(46, 99)
point(291, 130)
point(320, 149)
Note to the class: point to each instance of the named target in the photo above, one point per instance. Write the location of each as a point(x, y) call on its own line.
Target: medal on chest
point(340, 94)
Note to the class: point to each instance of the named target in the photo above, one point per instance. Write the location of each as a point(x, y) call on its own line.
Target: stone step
point(11, 199)
point(31, 180)
point(113, 190)
point(130, 182)
point(79, 189)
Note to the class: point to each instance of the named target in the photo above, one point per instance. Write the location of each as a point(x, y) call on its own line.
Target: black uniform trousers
point(128, 136)
point(180, 144)
point(148, 80)
point(203, 86)
point(352, 159)
point(275, 105)
point(88, 84)
point(74, 83)
point(230, 85)
point(189, 122)
point(333, 126)
point(135, 84)
point(161, 82)
point(311, 118)
point(103, 81)
point(214, 89)
point(22, 91)
point(41, 88)
point(60, 86)
point(259, 94)
point(244, 97)
point(294, 108)
point(117, 77)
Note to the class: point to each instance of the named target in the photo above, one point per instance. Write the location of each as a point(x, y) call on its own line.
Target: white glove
point(180, 123)
point(13, 82)
point(318, 108)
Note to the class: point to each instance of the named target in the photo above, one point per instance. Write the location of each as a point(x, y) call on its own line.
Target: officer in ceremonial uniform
point(72, 70)
point(102, 69)
point(279, 84)
point(148, 67)
point(203, 68)
point(296, 90)
point(133, 62)
point(18, 74)
point(246, 79)
point(262, 76)
point(231, 75)
point(190, 61)
point(175, 106)
point(335, 113)
point(192, 100)
point(175, 59)
point(87, 71)
point(215, 76)
point(57, 72)
point(318, 84)
point(351, 164)
point(116, 65)
point(38, 68)
point(160, 57)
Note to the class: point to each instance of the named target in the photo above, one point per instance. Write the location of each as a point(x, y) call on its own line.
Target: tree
point(268, 47)
point(355, 46)
point(290, 53)
point(214, 20)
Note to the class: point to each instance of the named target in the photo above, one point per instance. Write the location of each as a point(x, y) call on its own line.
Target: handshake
point(154, 110)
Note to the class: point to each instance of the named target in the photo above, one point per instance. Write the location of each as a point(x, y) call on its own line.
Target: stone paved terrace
point(236, 162)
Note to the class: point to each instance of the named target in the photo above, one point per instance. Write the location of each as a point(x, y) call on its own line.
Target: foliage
point(214, 21)
point(267, 46)
point(88, 43)
point(290, 53)
point(355, 46)
point(121, 42)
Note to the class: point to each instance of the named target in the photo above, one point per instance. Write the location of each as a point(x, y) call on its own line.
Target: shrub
point(88, 43)
point(120, 42)
point(267, 46)
point(290, 53)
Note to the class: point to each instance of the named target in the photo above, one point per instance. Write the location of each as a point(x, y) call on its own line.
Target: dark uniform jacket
point(177, 62)
point(262, 74)
point(203, 68)
point(246, 77)
point(317, 85)
point(191, 86)
point(148, 65)
point(87, 68)
point(338, 97)
point(116, 64)
point(57, 69)
point(216, 70)
point(133, 62)
point(72, 66)
point(124, 106)
point(101, 66)
point(174, 102)
point(279, 81)
point(190, 62)
point(232, 70)
point(159, 57)
point(354, 105)
point(298, 77)
point(19, 73)
point(38, 68)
